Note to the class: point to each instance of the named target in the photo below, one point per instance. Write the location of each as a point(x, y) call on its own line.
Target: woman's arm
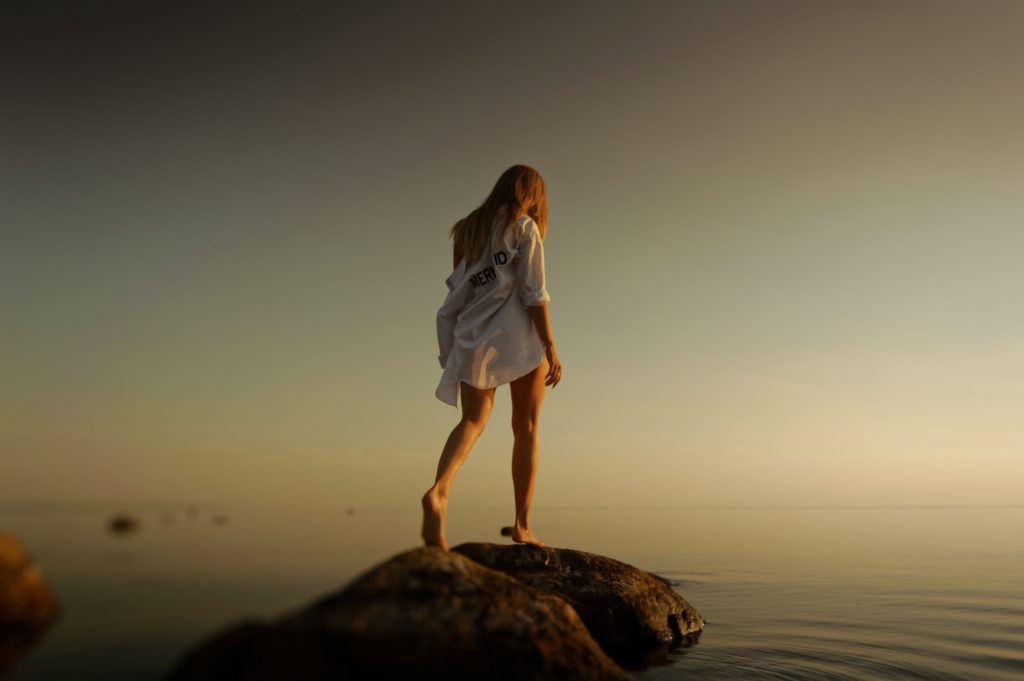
point(541, 320)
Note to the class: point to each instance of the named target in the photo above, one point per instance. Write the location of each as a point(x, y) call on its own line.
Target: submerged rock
point(634, 615)
point(424, 613)
point(27, 607)
point(123, 523)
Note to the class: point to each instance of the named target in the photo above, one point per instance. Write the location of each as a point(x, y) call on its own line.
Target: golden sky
point(784, 251)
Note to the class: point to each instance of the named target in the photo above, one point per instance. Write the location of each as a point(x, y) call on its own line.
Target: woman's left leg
point(476, 408)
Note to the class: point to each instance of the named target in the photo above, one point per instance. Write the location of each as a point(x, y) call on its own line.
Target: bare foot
point(434, 509)
point(524, 536)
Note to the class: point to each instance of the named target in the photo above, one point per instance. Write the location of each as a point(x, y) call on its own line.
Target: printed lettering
point(484, 276)
point(500, 258)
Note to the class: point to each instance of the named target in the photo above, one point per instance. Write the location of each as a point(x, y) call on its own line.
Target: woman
point(492, 329)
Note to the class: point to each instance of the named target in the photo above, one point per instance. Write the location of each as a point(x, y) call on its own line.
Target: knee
point(474, 425)
point(524, 426)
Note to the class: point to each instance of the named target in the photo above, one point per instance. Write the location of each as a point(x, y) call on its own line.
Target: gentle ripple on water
point(851, 631)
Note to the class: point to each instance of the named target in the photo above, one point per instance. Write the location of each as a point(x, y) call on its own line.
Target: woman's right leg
point(476, 407)
point(527, 397)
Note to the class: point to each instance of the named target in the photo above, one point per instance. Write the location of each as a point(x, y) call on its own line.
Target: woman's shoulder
point(527, 230)
point(524, 224)
point(515, 229)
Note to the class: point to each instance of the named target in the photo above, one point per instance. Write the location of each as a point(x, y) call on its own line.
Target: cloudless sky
point(784, 248)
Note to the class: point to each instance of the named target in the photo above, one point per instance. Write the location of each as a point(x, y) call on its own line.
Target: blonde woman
point(493, 329)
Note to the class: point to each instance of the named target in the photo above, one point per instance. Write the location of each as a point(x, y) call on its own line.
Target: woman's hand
point(542, 322)
point(554, 366)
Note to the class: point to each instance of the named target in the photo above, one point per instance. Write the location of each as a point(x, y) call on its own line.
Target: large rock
point(634, 615)
point(424, 613)
point(27, 608)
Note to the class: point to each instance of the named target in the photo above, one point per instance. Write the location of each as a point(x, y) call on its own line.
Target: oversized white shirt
point(485, 334)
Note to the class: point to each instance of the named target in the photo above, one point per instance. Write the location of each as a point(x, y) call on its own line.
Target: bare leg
point(527, 396)
point(476, 407)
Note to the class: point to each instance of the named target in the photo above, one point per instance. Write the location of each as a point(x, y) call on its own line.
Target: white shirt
point(484, 333)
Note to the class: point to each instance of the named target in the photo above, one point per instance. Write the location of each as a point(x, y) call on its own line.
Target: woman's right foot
point(434, 508)
point(522, 535)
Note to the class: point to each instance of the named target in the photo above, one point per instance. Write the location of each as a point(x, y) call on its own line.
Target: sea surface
point(787, 592)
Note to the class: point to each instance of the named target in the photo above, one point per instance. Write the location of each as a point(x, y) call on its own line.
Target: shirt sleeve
point(530, 268)
point(446, 318)
point(445, 337)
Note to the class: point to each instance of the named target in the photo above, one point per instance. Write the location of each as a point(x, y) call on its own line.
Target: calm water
point(797, 593)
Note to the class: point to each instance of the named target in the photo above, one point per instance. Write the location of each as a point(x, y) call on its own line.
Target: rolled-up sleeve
point(530, 269)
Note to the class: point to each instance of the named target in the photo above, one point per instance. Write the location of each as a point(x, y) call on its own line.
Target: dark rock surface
point(27, 607)
point(425, 613)
point(634, 615)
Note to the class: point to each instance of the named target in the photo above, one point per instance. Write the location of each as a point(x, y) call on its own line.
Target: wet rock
point(635, 616)
point(27, 607)
point(424, 613)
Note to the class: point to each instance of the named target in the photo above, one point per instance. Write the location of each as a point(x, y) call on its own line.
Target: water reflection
point(787, 593)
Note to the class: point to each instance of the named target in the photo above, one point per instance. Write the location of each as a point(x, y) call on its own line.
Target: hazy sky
point(784, 251)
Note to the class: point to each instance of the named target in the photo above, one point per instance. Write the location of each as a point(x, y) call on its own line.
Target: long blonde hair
point(520, 190)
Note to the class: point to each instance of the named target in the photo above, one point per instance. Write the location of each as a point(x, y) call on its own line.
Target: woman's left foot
point(434, 509)
point(524, 536)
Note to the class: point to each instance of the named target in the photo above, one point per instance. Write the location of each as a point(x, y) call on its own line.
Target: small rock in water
point(123, 523)
point(507, 531)
point(219, 519)
point(350, 511)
